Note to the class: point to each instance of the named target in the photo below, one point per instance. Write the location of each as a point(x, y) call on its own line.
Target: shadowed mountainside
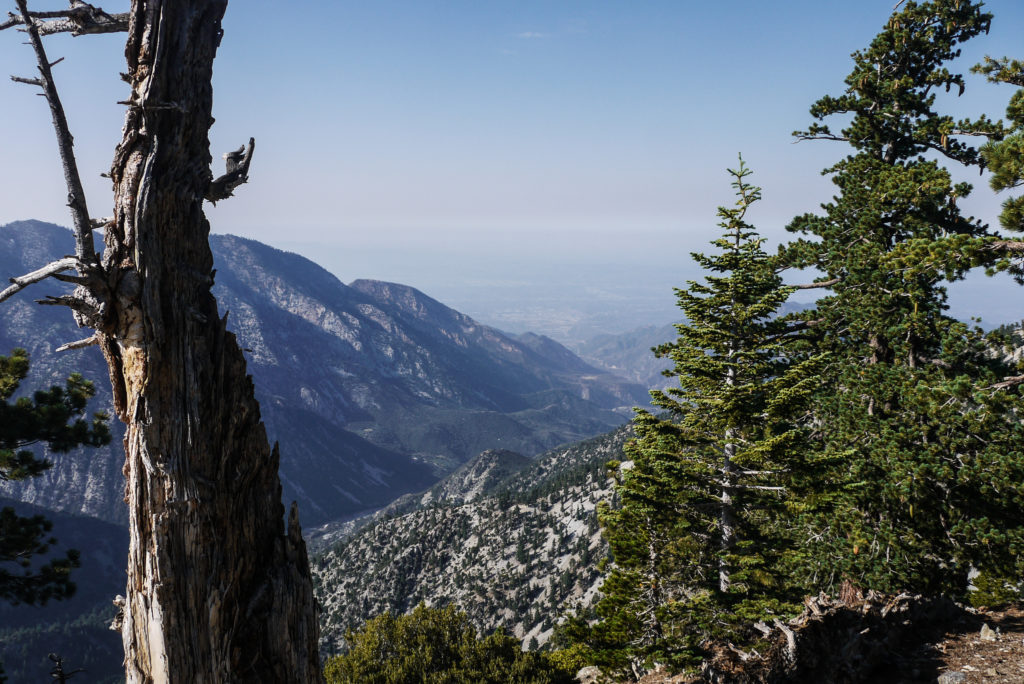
point(373, 390)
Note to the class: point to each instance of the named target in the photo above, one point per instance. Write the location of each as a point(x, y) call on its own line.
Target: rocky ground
point(994, 655)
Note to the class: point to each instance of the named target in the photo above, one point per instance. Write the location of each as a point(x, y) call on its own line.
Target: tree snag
point(218, 590)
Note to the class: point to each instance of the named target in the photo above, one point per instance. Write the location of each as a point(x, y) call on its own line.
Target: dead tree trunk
point(218, 590)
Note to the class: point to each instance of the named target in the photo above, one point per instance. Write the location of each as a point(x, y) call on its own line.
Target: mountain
point(476, 478)
point(629, 354)
point(400, 369)
point(518, 557)
point(373, 390)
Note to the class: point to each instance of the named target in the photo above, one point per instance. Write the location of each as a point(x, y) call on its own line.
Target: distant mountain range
point(630, 354)
point(372, 389)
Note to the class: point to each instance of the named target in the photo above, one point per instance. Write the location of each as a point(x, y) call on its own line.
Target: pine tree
point(700, 537)
point(53, 417)
point(1005, 157)
point(438, 646)
point(922, 448)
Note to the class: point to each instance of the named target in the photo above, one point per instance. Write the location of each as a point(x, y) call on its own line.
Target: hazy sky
point(438, 143)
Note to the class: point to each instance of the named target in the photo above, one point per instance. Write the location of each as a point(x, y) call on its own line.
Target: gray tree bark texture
point(218, 590)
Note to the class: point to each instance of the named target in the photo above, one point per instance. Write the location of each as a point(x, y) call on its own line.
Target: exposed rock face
point(372, 390)
point(519, 555)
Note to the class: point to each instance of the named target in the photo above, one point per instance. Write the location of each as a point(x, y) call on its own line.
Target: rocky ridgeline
point(372, 389)
point(518, 554)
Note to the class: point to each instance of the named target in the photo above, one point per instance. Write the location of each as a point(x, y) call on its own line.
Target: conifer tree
point(52, 417)
point(437, 646)
point(925, 476)
point(1005, 157)
point(700, 537)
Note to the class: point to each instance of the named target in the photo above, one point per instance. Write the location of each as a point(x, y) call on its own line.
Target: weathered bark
point(218, 591)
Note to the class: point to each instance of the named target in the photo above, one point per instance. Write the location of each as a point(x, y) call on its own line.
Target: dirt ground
point(994, 658)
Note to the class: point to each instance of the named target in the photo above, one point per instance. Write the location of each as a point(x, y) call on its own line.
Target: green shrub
point(437, 646)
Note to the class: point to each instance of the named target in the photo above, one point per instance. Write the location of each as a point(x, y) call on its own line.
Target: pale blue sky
point(430, 142)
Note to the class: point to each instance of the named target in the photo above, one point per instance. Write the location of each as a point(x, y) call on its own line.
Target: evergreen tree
point(52, 417)
point(700, 537)
point(923, 451)
point(437, 646)
point(1005, 157)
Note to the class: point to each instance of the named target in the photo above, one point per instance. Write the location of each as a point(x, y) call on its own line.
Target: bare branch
point(80, 19)
point(28, 81)
point(1008, 245)
point(796, 327)
point(80, 344)
point(20, 283)
point(74, 279)
point(82, 306)
point(76, 195)
point(979, 134)
point(237, 164)
point(815, 285)
point(790, 640)
point(1011, 381)
point(838, 138)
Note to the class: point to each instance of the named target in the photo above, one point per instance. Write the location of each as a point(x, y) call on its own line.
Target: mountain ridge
point(519, 557)
point(372, 391)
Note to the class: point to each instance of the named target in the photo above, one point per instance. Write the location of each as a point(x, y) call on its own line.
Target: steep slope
point(400, 369)
point(373, 391)
point(476, 478)
point(517, 558)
